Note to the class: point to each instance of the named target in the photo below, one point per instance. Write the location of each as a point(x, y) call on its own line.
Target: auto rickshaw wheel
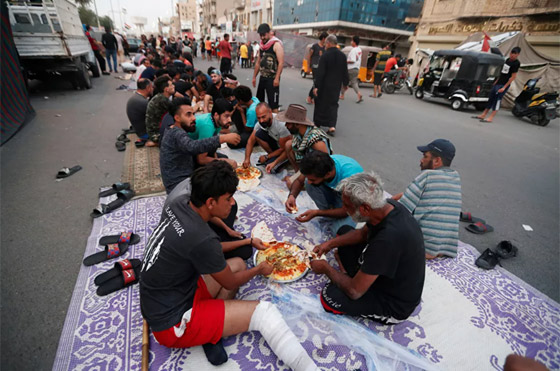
point(303, 74)
point(419, 93)
point(457, 104)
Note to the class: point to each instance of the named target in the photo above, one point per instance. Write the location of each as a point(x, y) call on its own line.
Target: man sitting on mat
point(209, 125)
point(187, 286)
point(157, 108)
point(137, 105)
point(434, 199)
point(177, 148)
point(321, 174)
point(382, 265)
point(271, 134)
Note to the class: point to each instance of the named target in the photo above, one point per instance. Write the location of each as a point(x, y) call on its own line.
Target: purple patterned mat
point(469, 319)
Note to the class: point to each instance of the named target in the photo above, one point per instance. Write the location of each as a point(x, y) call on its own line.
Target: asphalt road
point(509, 170)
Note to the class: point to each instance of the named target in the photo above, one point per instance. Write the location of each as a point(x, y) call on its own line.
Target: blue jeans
point(326, 198)
point(495, 98)
point(111, 53)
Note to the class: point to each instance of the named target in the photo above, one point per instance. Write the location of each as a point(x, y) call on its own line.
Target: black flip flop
point(130, 130)
point(123, 138)
point(479, 228)
point(120, 146)
point(111, 251)
point(114, 189)
point(140, 143)
point(125, 237)
point(476, 118)
point(467, 217)
point(484, 120)
point(506, 250)
point(66, 172)
point(116, 271)
point(487, 260)
point(122, 197)
point(126, 278)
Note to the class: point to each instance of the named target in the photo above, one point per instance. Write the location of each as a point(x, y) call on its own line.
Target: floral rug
point(141, 169)
point(469, 319)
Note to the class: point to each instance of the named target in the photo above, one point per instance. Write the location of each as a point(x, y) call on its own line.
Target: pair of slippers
point(490, 258)
point(125, 273)
point(121, 142)
point(123, 196)
point(477, 225)
point(115, 246)
point(114, 189)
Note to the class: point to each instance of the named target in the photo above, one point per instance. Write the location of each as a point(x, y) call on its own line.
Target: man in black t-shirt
point(187, 286)
point(501, 85)
point(382, 265)
point(215, 90)
point(315, 53)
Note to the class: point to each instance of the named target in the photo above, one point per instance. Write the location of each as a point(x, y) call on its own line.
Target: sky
point(151, 9)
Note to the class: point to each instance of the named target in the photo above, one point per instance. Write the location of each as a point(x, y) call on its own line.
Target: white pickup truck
point(49, 37)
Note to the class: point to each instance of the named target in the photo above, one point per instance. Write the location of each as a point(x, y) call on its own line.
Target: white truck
point(50, 40)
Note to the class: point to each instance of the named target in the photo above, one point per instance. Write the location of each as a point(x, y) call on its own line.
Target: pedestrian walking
point(315, 53)
point(354, 61)
point(379, 70)
point(244, 52)
point(225, 51)
point(109, 41)
point(208, 47)
point(96, 51)
point(501, 85)
point(270, 63)
point(331, 75)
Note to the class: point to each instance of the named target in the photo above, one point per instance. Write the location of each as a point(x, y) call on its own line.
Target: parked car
point(133, 44)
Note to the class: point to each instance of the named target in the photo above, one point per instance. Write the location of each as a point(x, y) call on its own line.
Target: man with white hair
point(382, 265)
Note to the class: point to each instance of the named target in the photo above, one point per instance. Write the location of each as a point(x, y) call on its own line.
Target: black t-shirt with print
point(318, 51)
point(179, 251)
point(508, 69)
point(395, 252)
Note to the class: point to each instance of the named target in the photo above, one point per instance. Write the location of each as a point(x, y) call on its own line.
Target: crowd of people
point(195, 259)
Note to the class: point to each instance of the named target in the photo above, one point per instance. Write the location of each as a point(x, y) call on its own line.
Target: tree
point(87, 16)
point(106, 22)
point(83, 2)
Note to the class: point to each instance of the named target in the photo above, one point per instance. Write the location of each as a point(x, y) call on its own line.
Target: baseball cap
point(443, 147)
point(263, 28)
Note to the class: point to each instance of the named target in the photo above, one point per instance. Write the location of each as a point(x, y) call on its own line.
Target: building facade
point(444, 24)
point(215, 14)
point(377, 22)
point(251, 13)
point(188, 16)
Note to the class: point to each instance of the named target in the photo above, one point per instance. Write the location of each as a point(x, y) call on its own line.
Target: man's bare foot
point(149, 143)
point(340, 266)
point(341, 97)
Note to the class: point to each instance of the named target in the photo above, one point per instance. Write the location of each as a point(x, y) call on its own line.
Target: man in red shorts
point(187, 286)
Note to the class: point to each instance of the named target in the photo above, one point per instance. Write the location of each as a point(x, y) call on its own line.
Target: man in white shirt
point(354, 61)
point(272, 135)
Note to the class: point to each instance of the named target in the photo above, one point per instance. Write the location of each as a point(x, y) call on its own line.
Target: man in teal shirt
point(323, 172)
point(247, 117)
point(209, 125)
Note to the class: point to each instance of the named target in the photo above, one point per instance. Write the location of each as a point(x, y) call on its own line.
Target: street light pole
point(96, 14)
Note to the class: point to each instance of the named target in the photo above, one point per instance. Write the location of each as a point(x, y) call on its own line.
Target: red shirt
point(225, 49)
point(391, 62)
point(92, 41)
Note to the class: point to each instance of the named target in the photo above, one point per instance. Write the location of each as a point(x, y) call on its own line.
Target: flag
point(486, 43)
point(127, 26)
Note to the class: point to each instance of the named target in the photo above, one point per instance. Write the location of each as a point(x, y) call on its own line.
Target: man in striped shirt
point(434, 199)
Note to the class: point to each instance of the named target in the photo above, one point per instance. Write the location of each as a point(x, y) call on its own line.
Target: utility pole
point(96, 14)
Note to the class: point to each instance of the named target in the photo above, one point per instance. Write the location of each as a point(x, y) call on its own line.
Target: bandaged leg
point(269, 322)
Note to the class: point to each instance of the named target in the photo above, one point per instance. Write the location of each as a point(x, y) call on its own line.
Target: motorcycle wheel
point(389, 88)
point(419, 94)
point(543, 121)
point(516, 112)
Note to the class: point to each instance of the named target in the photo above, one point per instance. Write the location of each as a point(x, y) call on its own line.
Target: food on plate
point(248, 173)
point(284, 258)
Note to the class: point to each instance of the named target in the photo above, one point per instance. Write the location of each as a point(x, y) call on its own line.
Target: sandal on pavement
point(479, 228)
point(66, 172)
point(487, 260)
point(120, 146)
point(506, 250)
point(467, 217)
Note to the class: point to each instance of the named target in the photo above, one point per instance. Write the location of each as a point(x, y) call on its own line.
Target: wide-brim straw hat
point(296, 114)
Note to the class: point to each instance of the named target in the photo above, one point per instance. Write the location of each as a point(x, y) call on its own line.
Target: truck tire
point(94, 68)
point(83, 77)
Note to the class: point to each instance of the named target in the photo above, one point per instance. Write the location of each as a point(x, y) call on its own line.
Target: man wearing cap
point(332, 74)
point(306, 137)
point(270, 63)
point(434, 199)
point(271, 134)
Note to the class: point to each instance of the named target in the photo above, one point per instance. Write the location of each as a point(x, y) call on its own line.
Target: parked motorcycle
point(396, 81)
point(539, 107)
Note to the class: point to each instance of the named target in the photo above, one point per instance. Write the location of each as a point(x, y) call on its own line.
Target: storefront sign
point(497, 26)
